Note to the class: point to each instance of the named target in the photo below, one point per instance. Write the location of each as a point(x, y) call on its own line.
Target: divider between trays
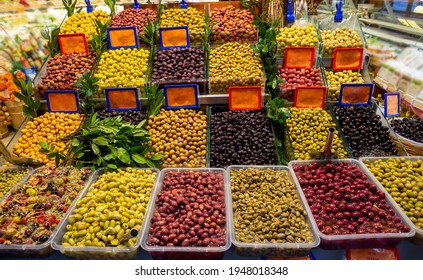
point(418, 238)
point(152, 205)
point(275, 246)
point(100, 251)
point(329, 239)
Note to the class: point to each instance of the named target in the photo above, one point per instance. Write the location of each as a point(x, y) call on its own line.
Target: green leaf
point(75, 142)
point(101, 141)
point(123, 156)
point(95, 149)
point(111, 166)
point(139, 159)
point(150, 163)
point(109, 157)
point(124, 130)
point(80, 155)
point(44, 145)
point(157, 157)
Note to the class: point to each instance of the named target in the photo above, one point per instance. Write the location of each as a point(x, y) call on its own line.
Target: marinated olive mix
point(232, 25)
point(409, 128)
point(297, 36)
point(9, 178)
point(234, 64)
point(190, 17)
point(112, 207)
point(134, 17)
point(176, 65)
point(308, 132)
point(364, 131)
point(339, 38)
point(33, 209)
point(267, 208)
point(403, 179)
point(134, 117)
point(336, 78)
point(190, 210)
point(241, 138)
point(344, 201)
point(63, 70)
point(180, 136)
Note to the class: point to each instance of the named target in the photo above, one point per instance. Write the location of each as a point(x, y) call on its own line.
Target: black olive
point(43, 238)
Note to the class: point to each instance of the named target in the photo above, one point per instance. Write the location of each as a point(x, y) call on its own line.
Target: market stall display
point(268, 214)
point(234, 64)
point(109, 209)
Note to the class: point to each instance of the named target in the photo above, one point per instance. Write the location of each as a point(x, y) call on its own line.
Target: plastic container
point(418, 237)
point(24, 178)
point(220, 85)
point(93, 252)
point(286, 250)
point(353, 241)
point(187, 252)
point(39, 250)
point(217, 109)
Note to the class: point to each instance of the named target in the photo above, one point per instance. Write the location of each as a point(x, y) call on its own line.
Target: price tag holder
point(174, 37)
point(182, 96)
point(122, 37)
point(347, 58)
point(392, 104)
point(310, 97)
point(71, 43)
point(356, 94)
point(65, 101)
point(245, 98)
point(299, 57)
point(122, 99)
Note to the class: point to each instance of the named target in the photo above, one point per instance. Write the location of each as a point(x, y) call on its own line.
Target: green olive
point(9, 178)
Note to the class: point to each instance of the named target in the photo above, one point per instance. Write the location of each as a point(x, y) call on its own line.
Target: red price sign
point(245, 98)
point(122, 37)
point(347, 58)
point(181, 96)
point(174, 37)
point(122, 99)
point(72, 43)
point(373, 254)
point(62, 101)
point(299, 57)
point(310, 97)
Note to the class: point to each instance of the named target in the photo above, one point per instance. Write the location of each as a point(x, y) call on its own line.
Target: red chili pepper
point(2, 240)
point(23, 221)
point(65, 209)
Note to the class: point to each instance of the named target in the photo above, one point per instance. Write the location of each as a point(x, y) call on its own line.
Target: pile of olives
point(403, 179)
point(241, 138)
point(336, 78)
point(122, 68)
point(134, 117)
point(267, 208)
point(190, 17)
point(83, 22)
point(9, 178)
point(308, 131)
point(409, 128)
point(364, 131)
point(181, 136)
point(339, 38)
point(297, 36)
point(114, 205)
point(234, 64)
